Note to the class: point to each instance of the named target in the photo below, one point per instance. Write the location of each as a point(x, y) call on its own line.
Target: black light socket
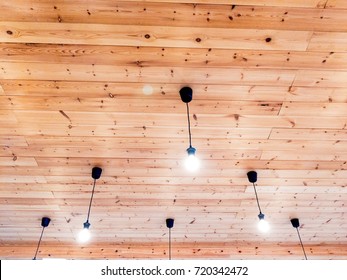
point(169, 223)
point(252, 176)
point(96, 172)
point(86, 225)
point(186, 94)
point(261, 216)
point(295, 222)
point(191, 151)
point(45, 221)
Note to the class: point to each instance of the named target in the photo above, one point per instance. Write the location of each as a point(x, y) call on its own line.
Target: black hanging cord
point(302, 246)
point(189, 132)
point(38, 245)
point(169, 243)
point(91, 199)
point(256, 196)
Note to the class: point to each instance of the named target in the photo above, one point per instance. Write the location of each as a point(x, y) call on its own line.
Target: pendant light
point(169, 225)
point(263, 225)
point(192, 162)
point(84, 234)
point(295, 223)
point(44, 223)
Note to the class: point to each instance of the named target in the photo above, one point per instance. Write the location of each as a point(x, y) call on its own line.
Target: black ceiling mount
point(169, 223)
point(295, 222)
point(252, 176)
point(186, 94)
point(96, 172)
point(45, 222)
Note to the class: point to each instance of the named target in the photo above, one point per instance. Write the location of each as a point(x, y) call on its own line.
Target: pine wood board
point(171, 57)
point(206, 15)
point(17, 161)
point(161, 36)
point(162, 120)
point(243, 164)
point(308, 134)
point(139, 131)
point(107, 73)
point(135, 106)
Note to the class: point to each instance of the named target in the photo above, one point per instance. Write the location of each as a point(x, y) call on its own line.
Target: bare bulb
point(84, 235)
point(263, 225)
point(192, 163)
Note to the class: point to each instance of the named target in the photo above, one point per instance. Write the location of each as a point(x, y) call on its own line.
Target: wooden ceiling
point(270, 92)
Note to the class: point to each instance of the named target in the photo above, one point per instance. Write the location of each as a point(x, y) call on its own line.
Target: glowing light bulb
point(263, 225)
point(192, 163)
point(84, 234)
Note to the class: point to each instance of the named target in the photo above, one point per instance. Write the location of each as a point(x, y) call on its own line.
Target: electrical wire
point(169, 243)
point(90, 203)
point(38, 245)
point(256, 196)
point(189, 132)
point(302, 246)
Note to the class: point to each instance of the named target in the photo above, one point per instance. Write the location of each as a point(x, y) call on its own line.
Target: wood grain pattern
point(172, 57)
point(162, 36)
point(96, 83)
point(246, 15)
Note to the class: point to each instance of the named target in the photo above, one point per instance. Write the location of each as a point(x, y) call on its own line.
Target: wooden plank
point(22, 179)
point(152, 143)
point(7, 116)
point(328, 41)
point(157, 250)
point(286, 3)
point(243, 164)
point(159, 36)
point(139, 170)
point(198, 181)
point(340, 4)
point(304, 155)
point(319, 78)
point(178, 14)
point(176, 120)
point(136, 90)
point(13, 141)
point(17, 161)
point(142, 105)
point(308, 134)
point(171, 57)
point(138, 131)
point(314, 94)
point(314, 109)
point(216, 198)
point(106, 73)
point(201, 91)
point(136, 152)
point(58, 7)
point(293, 188)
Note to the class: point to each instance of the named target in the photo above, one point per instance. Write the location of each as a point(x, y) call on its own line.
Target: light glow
point(263, 225)
point(147, 89)
point(192, 163)
point(84, 235)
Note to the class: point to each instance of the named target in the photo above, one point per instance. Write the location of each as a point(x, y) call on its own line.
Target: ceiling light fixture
point(44, 223)
point(192, 162)
point(263, 225)
point(84, 234)
point(295, 223)
point(169, 225)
